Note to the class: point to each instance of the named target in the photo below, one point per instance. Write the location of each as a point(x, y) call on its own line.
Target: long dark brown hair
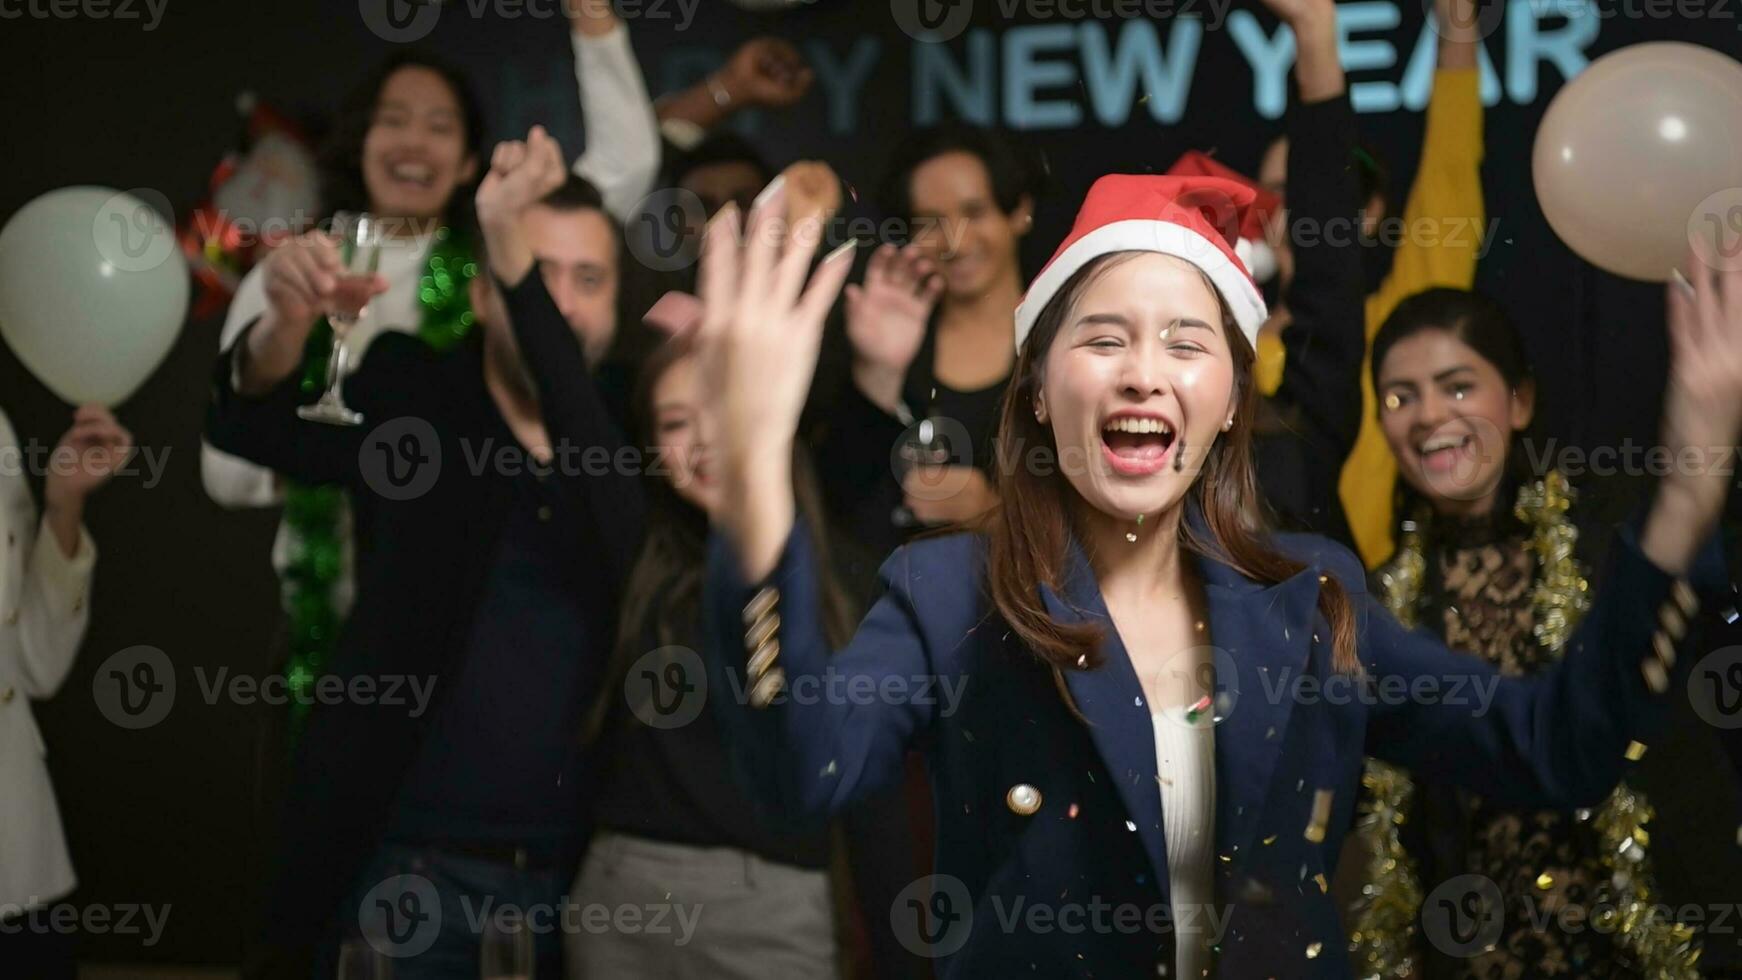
point(1030, 529)
point(662, 599)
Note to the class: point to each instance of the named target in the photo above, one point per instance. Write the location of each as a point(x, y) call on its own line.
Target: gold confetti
point(1313, 950)
point(1545, 881)
point(1315, 831)
point(1635, 751)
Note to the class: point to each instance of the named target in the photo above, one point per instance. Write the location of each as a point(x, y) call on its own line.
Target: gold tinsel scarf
point(1382, 941)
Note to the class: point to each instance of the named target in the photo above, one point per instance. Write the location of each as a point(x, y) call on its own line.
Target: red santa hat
point(1197, 219)
point(1254, 251)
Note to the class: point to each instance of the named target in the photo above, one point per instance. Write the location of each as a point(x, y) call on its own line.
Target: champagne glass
point(360, 960)
point(921, 445)
point(507, 950)
point(359, 236)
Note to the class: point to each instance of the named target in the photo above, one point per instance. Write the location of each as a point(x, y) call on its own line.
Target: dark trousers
point(424, 909)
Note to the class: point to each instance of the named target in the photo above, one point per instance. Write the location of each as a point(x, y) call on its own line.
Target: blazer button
point(12, 618)
point(1023, 799)
point(7, 695)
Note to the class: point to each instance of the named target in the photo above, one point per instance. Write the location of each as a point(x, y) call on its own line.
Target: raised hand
point(1318, 69)
point(1702, 411)
point(86, 457)
point(300, 276)
point(761, 327)
point(766, 71)
point(886, 320)
point(812, 188)
point(521, 174)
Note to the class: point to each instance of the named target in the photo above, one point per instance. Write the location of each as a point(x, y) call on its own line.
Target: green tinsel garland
point(1382, 940)
point(314, 513)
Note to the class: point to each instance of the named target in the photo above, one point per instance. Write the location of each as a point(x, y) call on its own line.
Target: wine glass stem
point(336, 366)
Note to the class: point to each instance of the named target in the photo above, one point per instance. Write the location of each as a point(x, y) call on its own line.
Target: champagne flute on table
point(507, 950)
point(360, 237)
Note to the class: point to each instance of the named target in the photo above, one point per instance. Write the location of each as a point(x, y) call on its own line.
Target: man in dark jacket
point(496, 515)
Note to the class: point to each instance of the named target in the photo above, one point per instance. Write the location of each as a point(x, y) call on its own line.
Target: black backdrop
point(160, 816)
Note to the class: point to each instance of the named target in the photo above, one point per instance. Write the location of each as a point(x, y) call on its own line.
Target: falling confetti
point(1315, 831)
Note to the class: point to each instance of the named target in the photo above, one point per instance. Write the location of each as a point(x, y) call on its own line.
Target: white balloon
point(1640, 156)
point(93, 291)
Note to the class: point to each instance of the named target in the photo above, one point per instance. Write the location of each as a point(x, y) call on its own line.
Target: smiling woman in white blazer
point(45, 579)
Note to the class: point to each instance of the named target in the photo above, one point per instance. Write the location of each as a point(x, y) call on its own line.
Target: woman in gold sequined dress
point(1488, 558)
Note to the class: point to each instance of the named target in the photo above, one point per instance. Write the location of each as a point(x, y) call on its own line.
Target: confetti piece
point(1315, 831)
point(1197, 709)
point(1544, 881)
point(1635, 751)
point(1313, 950)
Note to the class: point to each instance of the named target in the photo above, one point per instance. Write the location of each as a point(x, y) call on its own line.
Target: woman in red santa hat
point(1144, 714)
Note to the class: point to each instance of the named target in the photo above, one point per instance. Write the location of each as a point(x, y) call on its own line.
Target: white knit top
point(1185, 757)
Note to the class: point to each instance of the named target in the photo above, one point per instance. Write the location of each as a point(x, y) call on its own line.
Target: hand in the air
point(300, 275)
point(766, 71)
point(887, 317)
point(521, 173)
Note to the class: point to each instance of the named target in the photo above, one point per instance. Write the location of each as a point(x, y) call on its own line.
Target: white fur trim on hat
point(1147, 235)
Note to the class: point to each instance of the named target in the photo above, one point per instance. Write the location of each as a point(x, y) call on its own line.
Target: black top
point(1307, 428)
point(502, 762)
point(664, 769)
point(431, 510)
point(858, 447)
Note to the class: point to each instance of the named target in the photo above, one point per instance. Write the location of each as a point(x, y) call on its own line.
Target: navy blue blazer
point(1077, 885)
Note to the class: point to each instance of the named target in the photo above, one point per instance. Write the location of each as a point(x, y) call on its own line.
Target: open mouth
point(1137, 445)
point(1443, 453)
point(412, 173)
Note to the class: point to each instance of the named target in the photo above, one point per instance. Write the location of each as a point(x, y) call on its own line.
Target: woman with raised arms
point(1164, 706)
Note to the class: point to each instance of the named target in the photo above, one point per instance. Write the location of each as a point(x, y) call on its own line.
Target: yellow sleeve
point(1443, 226)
